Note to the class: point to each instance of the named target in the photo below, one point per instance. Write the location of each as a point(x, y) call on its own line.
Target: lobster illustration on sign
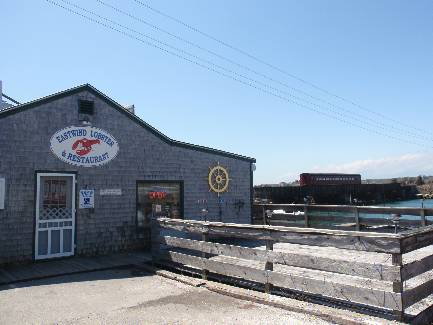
point(83, 146)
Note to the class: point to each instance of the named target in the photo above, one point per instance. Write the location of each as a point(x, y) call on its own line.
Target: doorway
point(158, 199)
point(55, 215)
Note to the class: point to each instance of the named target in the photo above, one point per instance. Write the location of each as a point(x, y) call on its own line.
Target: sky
point(314, 86)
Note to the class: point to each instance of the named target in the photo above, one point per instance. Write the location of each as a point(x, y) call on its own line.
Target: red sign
point(157, 195)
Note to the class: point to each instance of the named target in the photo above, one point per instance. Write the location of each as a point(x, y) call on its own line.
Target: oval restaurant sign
point(84, 146)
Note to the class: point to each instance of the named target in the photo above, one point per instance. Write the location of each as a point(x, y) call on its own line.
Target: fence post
point(264, 215)
point(397, 286)
point(204, 272)
point(306, 219)
point(269, 266)
point(356, 212)
point(423, 220)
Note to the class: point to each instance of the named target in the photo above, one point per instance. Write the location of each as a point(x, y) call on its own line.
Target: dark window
point(85, 107)
point(161, 199)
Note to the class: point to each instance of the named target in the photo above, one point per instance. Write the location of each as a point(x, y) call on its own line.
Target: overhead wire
point(171, 52)
point(276, 68)
point(159, 29)
point(11, 99)
point(231, 71)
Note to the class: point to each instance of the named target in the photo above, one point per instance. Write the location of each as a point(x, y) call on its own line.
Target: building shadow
point(116, 273)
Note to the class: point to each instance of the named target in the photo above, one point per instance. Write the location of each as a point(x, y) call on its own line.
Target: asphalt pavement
point(131, 296)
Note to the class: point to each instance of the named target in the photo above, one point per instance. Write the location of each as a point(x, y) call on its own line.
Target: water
point(417, 203)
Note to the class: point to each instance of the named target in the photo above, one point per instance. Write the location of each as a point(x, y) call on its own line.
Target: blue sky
point(378, 54)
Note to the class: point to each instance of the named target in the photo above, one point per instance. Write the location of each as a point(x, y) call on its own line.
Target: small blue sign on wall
point(87, 199)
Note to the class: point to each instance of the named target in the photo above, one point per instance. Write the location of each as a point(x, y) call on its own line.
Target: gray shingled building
point(81, 175)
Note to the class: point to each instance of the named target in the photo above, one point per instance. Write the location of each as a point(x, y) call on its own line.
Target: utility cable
point(233, 72)
point(274, 67)
point(230, 76)
point(11, 99)
point(157, 28)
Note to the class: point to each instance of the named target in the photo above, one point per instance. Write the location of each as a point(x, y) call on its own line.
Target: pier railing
point(379, 271)
point(347, 217)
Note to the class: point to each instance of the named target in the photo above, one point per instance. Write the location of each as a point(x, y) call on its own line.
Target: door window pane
point(43, 242)
point(55, 201)
point(55, 241)
point(158, 199)
point(67, 240)
point(54, 195)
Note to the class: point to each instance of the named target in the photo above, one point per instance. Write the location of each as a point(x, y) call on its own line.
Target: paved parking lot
point(130, 296)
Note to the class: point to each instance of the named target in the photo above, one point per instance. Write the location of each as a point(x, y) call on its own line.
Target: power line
point(11, 99)
point(274, 67)
point(375, 122)
point(235, 73)
point(230, 76)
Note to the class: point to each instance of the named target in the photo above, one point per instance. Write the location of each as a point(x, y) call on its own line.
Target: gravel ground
point(128, 296)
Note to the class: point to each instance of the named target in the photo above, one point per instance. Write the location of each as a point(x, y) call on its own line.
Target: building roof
point(87, 87)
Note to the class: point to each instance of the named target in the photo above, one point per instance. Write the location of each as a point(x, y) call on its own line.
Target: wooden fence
point(346, 266)
point(340, 216)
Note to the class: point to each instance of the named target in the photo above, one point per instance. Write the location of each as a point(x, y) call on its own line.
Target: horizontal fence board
point(353, 240)
point(336, 219)
point(283, 223)
point(365, 270)
point(280, 219)
point(417, 239)
point(418, 267)
point(347, 293)
point(386, 245)
point(424, 317)
point(413, 232)
point(318, 275)
point(214, 266)
point(279, 216)
point(202, 226)
point(330, 208)
point(216, 248)
point(348, 208)
point(181, 226)
point(418, 293)
point(300, 207)
point(391, 210)
point(342, 226)
point(378, 298)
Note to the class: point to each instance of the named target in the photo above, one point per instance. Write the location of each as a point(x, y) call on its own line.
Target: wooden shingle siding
point(144, 154)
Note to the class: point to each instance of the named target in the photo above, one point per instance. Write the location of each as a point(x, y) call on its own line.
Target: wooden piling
point(269, 266)
point(397, 286)
point(356, 213)
point(423, 219)
point(204, 272)
point(306, 219)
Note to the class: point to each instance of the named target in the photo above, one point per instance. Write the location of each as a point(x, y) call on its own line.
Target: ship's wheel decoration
point(218, 179)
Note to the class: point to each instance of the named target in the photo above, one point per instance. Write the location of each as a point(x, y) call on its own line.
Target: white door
point(55, 215)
